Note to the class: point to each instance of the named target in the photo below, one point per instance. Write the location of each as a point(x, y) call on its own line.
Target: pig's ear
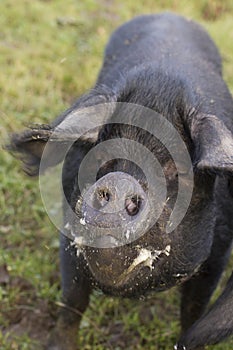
point(213, 143)
point(29, 145)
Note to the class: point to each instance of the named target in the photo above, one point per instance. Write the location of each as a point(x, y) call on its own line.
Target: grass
point(51, 52)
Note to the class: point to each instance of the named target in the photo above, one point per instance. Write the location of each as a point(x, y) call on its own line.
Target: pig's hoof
point(55, 344)
point(182, 347)
point(179, 347)
point(63, 338)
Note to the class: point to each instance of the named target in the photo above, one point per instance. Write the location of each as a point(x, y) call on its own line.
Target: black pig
point(169, 65)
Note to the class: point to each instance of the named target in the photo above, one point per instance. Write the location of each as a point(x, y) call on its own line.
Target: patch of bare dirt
point(29, 315)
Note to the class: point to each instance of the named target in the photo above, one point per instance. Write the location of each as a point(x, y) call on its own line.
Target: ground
point(51, 52)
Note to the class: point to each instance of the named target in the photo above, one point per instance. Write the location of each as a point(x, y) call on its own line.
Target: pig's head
point(121, 221)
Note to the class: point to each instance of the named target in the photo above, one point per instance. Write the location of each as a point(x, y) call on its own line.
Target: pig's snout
point(114, 199)
point(105, 195)
point(117, 203)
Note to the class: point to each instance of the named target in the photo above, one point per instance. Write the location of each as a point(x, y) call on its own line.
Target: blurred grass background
point(50, 53)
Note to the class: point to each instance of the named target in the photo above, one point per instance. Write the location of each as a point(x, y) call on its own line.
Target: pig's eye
point(132, 205)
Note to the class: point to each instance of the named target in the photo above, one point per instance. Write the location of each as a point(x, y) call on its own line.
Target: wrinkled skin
point(170, 65)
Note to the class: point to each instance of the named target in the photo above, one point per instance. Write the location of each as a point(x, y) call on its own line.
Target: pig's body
point(170, 65)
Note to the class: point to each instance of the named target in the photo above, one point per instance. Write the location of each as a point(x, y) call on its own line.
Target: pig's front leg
point(214, 326)
point(195, 296)
point(197, 291)
point(76, 290)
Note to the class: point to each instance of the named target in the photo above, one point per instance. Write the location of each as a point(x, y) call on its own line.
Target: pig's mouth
point(145, 258)
point(117, 269)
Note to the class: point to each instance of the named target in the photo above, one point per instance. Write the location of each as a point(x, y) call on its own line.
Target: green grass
point(50, 53)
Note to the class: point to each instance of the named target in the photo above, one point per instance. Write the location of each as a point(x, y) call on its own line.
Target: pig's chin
point(128, 271)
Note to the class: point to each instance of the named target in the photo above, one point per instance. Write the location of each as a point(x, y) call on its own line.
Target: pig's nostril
point(133, 204)
point(102, 196)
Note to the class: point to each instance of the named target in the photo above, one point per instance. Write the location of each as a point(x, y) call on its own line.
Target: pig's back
point(170, 46)
point(166, 40)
